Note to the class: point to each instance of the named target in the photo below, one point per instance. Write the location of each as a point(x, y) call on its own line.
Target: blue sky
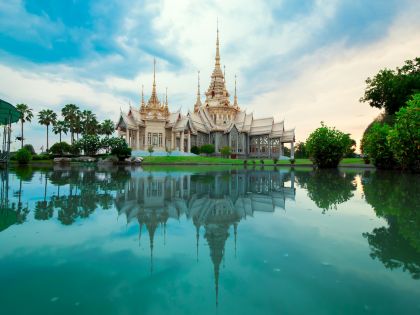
point(302, 61)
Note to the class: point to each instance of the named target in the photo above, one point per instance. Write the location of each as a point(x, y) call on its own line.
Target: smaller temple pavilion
point(216, 121)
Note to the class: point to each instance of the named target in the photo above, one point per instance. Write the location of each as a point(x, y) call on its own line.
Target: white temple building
point(215, 121)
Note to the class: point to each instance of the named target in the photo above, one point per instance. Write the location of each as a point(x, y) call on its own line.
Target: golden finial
point(235, 102)
point(166, 103)
point(217, 45)
point(142, 96)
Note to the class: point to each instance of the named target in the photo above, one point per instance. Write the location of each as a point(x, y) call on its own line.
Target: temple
point(215, 121)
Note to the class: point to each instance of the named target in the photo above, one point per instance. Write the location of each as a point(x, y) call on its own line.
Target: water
point(209, 241)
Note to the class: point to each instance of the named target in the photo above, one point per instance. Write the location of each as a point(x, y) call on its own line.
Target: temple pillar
point(127, 136)
point(292, 150)
point(281, 149)
point(173, 144)
point(292, 179)
point(181, 144)
point(189, 142)
point(138, 139)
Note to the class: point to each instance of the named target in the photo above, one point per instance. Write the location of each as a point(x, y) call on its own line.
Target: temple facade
point(216, 121)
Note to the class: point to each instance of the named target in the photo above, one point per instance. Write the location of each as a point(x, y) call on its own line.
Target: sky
point(302, 61)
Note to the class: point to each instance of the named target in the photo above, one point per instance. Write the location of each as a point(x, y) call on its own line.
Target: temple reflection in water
point(214, 201)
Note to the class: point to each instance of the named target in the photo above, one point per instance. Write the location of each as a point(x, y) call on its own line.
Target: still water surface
point(208, 241)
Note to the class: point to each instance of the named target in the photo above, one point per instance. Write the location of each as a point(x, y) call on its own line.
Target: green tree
point(150, 149)
point(326, 146)
point(375, 144)
point(225, 152)
point(47, 117)
point(71, 113)
point(207, 149)
point(60, 127)
point(300, 151)
point(391, 89)
point(90, 144)
point(26, 115)
point(23, 156)
point(404, 137)
point(107, 127)
point(89, 123)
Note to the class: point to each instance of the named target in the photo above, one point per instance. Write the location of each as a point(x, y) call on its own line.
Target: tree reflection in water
point(395, 197)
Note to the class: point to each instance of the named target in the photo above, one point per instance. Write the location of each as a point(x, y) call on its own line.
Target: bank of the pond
point(208, 161)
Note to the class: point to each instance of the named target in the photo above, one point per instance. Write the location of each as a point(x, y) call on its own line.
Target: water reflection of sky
point(299, 243)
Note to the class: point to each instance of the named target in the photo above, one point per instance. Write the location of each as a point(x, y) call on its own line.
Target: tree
point(60, 127)
point(404, 137)
point(326, 146)
point(89, 123)
point(375, 145)
point(107, 127)
point(26, 115)
point(70, 112)
point(150, 149)
point(90, 144)
point(391, 89)
point(47, 117)
point(195, 149)
point(300, 152)
point(225, 151)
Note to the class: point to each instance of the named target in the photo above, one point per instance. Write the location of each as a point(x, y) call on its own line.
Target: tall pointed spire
point(142, 96)
point(198, 101)
point(166, 97)
point(154, 100)
point(217, 45)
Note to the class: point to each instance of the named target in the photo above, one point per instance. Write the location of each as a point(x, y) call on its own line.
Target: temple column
point(189, 142)
point(181, 144)
point(138, 139)
point(292, 179)
point(127, 136)
point(173, 144)
point(281, 149)
point(292, 150)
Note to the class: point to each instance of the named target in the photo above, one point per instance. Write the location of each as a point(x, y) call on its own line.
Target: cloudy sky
point(303, 61)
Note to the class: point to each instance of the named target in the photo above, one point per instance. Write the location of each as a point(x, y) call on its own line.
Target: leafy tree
point(23, 156)
point(60, 148)
point(71, 113)
point(25, 115)
point(225, 151)
point(195, 150)
point(119, 148)
point(375, 145)
point(207, 149)
point(47, 117)
point(30, 148)
point(404, 137)
point(90, 144)
point(150, 150)
point(326, 146)
point(60, 127)
point(107, 127)
point(300, 152)
point(351, 147)
point(391, 89)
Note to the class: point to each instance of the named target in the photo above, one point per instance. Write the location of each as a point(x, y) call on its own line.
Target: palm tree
point(70, 112)
point(107, 127)
point(26, 115)
point(60, 127)
point(47, 117)
point(89, 123)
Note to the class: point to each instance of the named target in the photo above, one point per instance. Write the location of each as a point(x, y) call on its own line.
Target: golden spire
point(217, 46)
point(142, 96)
point(198, 101)
point(166, 102)
point(153, 100)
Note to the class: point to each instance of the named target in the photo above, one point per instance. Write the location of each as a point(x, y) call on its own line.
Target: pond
point(86, 240)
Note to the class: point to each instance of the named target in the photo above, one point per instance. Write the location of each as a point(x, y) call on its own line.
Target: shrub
point(404, 137)
point(195, 150)
point(225, 151)
point(262, 161)
point(326, 146)
point(275, 160)
point(150, 149)
point(254, 162)
point(60, 148)
point(23, 156)
point(30, 148)
point(245, 162)
point(375, 145)
point(207, 149)
point(119, 148)
point(292, 161)
point(41, 156)
point(90, 144)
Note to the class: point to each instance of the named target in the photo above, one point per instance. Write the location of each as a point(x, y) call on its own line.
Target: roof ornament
point(217, 45)
point(198, 101)
point(142, 96)
point(235, 99)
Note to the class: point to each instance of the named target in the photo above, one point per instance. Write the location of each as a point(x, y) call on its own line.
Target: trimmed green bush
point(275, 160)
point(30, 148)
point(23, 156)
point(195, 150)
point(41, 156)
point(60, 148)
point(207, 149)
point(326, 146)
point(375, 145)
point(119, 148)
point(90, 144)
